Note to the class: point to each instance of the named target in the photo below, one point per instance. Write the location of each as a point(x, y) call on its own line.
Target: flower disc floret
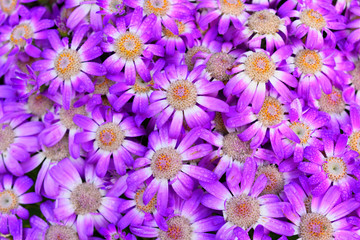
point(313, 19)
point(335, 168)
point(354, 142)
point(235, 148)
point(302, 131)
point(66, 116)
point(109, 136)
point(59, 151)
point(259, 67)
point(189, 55)
point(158, 7)
point(166, 163)
point(181, 94)
point(86, 198)
point(264, 22)
point(8, 201)
point(7, 137)
point(243, 211)
point(181, 27)
point(39, 105)
point(150, 207)
point(315, 226)
point(232, 7)
point(129, 46)
point(275, 179)
point(308, 61)
point(20, 33)
point(333, 102)
point(271, 112)
point(218, 64)
point(67, 64)
point(140, 86)
point(60, 232)
point(8, 6)
point(178, 229)
point(356, 76)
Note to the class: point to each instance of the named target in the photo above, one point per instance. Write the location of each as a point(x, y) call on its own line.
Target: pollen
point(308, 61)
point(21, 33)
point(314, 226)
point(302, 131)
point(166, 163)
point(354, 142)
point(67, 64)
point(307, 203)
point(129, 46)
point(60, 232)
point(189, 55)
point(179, 228)
point(8, 201)
point(275, 179)
point(181, 27)
point(332, 103)
point(7, 137)
point(66, 116)
point(109, 136)
point(313, 19)
point(102, 85)
point(181, 94)
point(232, 7)
point(39, 105)
point(115, 6)
point(141, 86)
point(264, 22)
point(8, 6)
point(259, 67)
point(86, 198)
point(356, 76)
point(218, 64)
point(235, 148)
point(335, 168)
point(219, 123)
point(59, 151)
point(271, 112)
point(150, 207)
point(158, 7)
point(243, 211)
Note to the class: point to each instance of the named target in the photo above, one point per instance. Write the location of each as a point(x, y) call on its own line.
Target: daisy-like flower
point(111, 233)
point(190, 220)
point(25, 83)
point(273, 116)
point(111, 8)
point(350, 78)
point(325, 218)
point(166, 164)
point(242, 207)
point(106, 137)
point(86, 201)
point(313, 19)
point(131, 46)
point(12, 196)
point(332, 168)
point(314, 68)
point(235, 11)
point(82, 10)
point(254, 70)
point(11, 10)
point(67, 65)
point(19, 37)
point(180, 92)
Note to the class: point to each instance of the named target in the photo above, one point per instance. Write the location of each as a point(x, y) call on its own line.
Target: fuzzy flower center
point(189, 55)
point(335, 168)
point(67, 64)
point(8, 6)
point(259, 67)
point(181, 27)
point(39, 105)
point(158, 7)
point(356, 76)
point(271, 112)
point(302, 130)
point(181, 94)
point(166, 163)
point(313, 19)
point(59, 151)
point(333, 102)
point(20, 33)
point(109, 136)
point(218, 64)
point(354, 141)
point(129, 46)
point(102, 85)
point(232, 7)
point(308, 61)
point(141, 86)
point(7, 137)
point(275, 179)
point(116, 5)
point(60, 232)
point(314, 226)
point(235, 148)
point(8, 201)
point(86, 198)
point(264, 22)
point(66, 116)
point(179, 228)
point(243, 211)
point(150, 207)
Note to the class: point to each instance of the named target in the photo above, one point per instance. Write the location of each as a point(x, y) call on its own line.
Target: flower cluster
point(180, 119)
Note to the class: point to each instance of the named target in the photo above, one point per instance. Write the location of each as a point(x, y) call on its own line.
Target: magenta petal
point(22, 184)
point(151, 190)
point(29, 198)
point(199, 173)
point(212, 202)
point(163, 196)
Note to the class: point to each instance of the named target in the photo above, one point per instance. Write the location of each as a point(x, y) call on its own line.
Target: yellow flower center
point(67, 64)
point(181, 27)
point(158, 7)
point(232, 7)
point(313, 19)
point(8, 201)
point(182, 94)
point(259, 67)
point(109, 136)
point(264, 22)
point(354, 142)
point(166, 163)
point(315, 226)
point(308, 61)
point(150, 207)
point(21, 33)
point(178, 229)
point(271, 112)
point(129, 46)
point(8, 6)
point(335, 168)
point(302, 131)
point(275, 179)
point(333, 102)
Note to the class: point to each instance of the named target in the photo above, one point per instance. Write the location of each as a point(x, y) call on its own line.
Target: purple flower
point(12, 198)
point(180, 92)
point(81, 11)
point(111, 233)
point(11, 10)
point(354, 134)
point(108, 136)
point(353, 39)
point(111, 8)
point(131, 46)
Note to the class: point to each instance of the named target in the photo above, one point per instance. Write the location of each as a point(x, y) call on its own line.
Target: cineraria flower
point(190, 220)
point(12, 196)
point(131, 46)
point(108, 136)
point(110, 233)
point(180, 92)
point(66, 66)
point(19, 37)
point(254, 70)
point(325, 218)
point(81, 11)
point(226, 11)
point(242, 207)
point(166, 164)
point(24, 83)
point(86, 201)
point(334, 167)
point(110, 8)
point(351, 79)
point(273, 116)
point(12, 9)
